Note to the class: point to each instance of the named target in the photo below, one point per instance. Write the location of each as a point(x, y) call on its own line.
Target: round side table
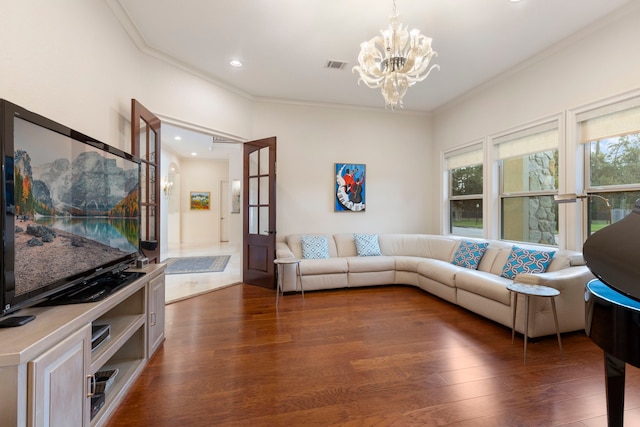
point(280, 263)
point(529, 291)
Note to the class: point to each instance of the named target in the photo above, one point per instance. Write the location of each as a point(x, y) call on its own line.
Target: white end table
point(529, 291)
point(280, 263)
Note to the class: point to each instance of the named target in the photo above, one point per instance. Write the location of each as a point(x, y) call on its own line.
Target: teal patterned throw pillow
point(469, 254)
point(315, 247)
point(526, 261)
point(367, 244)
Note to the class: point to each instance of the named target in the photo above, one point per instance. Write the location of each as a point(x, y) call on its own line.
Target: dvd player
point(99, 333)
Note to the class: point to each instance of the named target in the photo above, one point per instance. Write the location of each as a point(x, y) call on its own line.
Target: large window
point(528, 165)
point(464, 170)
point(611, 139)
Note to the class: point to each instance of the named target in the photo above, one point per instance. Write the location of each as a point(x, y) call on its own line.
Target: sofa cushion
point(523, 260)
point(469, 254)
point(484, 284)
point(419, 245)
point(367, 244)
point(407, 263)
point(441, 271)
point(315, 247)
point(310, 267)
point(358, 264)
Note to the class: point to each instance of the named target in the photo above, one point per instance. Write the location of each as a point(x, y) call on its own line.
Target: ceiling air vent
point(335, 65)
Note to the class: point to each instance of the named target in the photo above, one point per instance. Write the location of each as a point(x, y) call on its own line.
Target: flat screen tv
point(70, 209)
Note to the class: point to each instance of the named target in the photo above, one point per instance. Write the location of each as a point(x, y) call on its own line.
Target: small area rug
point(200, 264)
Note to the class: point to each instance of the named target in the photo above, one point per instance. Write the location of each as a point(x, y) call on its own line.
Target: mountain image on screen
point(91, 186)
point(73, 212)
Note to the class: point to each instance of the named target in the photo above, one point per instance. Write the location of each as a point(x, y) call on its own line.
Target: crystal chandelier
point(395, 60)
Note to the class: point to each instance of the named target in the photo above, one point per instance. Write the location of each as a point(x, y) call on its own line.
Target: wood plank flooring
point(381, 356)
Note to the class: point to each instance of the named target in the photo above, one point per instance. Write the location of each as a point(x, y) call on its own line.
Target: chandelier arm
point(395, 60)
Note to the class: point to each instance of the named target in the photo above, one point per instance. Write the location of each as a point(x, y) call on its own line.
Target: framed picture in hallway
point(350, 187)
point(200, 200)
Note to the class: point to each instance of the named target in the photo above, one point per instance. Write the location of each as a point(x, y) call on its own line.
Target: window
point(611, 139)
point(528, 165)
point(464, 173)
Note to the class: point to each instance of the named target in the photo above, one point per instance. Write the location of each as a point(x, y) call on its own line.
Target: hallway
point(182, 286)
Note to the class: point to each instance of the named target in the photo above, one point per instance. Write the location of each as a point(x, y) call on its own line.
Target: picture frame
point(200, 200)
point(350, 187)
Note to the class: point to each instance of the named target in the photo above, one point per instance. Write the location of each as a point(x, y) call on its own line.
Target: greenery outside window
point(611, 139)
point(528, 165)
point(465, 177)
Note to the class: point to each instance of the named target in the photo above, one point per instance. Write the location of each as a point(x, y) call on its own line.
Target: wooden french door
point(259, 222)
point(145, 144)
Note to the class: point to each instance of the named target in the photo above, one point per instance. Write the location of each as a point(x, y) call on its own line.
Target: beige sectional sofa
point(425, 261)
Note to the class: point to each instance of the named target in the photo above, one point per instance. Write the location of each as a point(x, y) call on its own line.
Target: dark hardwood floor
point(382, 356)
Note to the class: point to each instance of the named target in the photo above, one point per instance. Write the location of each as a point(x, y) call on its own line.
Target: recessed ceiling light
point(178, 138)
point(194, 154)
point(235, 63)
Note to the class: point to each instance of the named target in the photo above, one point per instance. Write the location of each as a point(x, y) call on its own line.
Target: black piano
point(613, 303)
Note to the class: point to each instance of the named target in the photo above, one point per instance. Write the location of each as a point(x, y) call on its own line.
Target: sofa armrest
point(571, 283)
point(565, 279)
point(283, 251)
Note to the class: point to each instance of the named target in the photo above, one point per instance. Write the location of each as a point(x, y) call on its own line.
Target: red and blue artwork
point(350, 187)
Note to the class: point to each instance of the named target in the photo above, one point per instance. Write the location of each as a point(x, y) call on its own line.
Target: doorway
point(206, 171)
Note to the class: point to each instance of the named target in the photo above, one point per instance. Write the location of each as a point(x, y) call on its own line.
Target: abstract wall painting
point(350, 187)
point(200, 200)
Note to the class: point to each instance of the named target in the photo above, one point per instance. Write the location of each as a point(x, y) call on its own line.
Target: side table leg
point(298, 277)
point(555, 319)
point(526, 326)
point(513, 323)
point(278, 282)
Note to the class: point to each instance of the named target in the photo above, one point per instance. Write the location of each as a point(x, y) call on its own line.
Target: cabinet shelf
point(48, 363)
point(122, 328)
point(129, 361)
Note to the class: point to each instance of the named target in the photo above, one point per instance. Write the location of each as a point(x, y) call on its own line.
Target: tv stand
point(48, 368)
point(93, 290)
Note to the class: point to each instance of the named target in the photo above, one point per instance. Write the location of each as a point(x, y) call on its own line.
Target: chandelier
point(395, 60)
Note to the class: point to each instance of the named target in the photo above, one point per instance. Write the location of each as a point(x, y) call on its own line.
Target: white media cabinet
point(47, 366)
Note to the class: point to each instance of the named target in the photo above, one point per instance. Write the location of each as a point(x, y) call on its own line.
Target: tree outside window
point(614, 179)
point(465, 201)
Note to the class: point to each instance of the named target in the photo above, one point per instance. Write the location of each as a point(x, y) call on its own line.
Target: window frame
point(477, 148)
point(613, 111)
point(552, 125)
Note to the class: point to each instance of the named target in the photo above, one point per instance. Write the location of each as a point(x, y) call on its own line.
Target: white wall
point(597, 65)
point(201, 226)
point(70, 61)
point(310, 139)
point(170, 206)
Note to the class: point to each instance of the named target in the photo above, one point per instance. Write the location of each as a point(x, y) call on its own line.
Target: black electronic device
point(70, 209)
point(12, 322)
point(97, 402)
point(99, 334)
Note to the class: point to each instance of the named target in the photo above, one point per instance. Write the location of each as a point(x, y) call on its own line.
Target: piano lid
point(613, 254)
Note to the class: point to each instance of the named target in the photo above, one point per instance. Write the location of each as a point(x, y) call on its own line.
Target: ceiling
point(285, 44)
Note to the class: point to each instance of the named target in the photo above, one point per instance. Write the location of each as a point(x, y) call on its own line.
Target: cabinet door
point(58, 386)
point(156, 314)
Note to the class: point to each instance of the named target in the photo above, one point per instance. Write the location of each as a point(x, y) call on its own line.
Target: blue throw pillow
point(367, 244)
point(469, 254)
point(526, 261)
point(315, 247)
